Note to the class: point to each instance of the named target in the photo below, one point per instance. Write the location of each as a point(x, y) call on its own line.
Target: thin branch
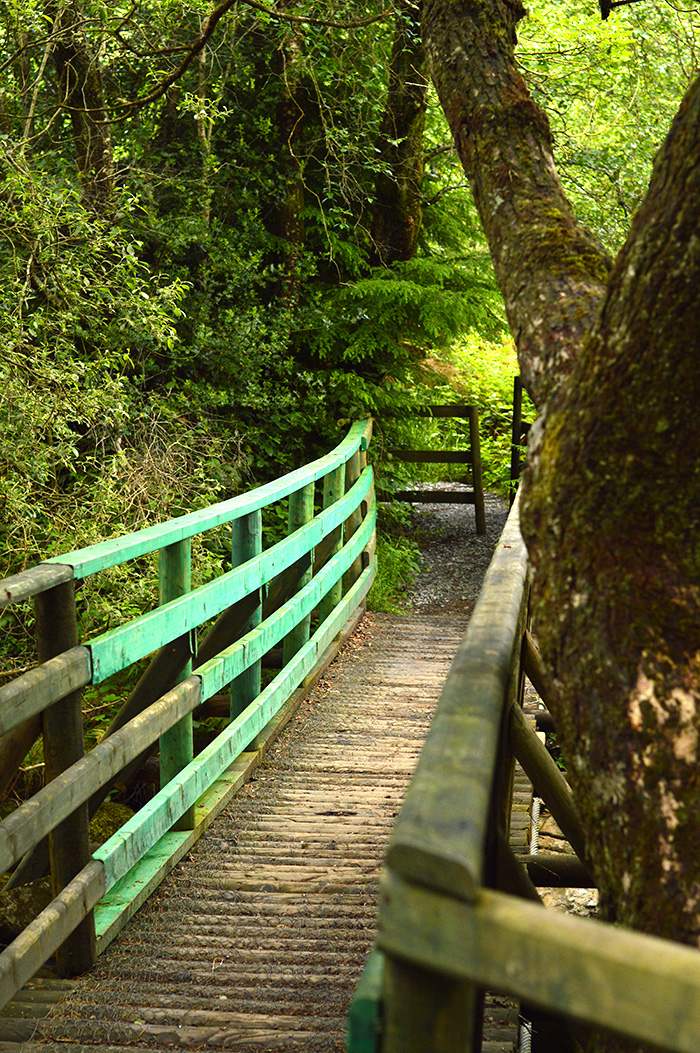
point(322, 21)
point(29, 121)
point(606, 6)
point(214, 18)
point(427, 201)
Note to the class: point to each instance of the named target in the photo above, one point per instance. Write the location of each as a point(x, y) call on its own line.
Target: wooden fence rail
point(468, 456)
point(459, 913)
point(322, 568)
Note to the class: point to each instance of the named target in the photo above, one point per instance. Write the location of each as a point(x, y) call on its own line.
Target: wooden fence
point(459, 913)
point(468, 456)
point(323, 567)
point(520, 429)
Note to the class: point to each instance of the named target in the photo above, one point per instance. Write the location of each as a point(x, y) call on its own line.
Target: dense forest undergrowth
point(227, 232)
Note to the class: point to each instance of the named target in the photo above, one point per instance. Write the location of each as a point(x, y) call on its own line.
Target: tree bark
point(612, 517)
point(398, 205)
point(280, 67)
point(82, 95)
point(551, 270)
point(611, 509)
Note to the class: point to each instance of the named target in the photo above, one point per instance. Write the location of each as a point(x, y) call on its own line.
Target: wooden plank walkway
point(257, 940)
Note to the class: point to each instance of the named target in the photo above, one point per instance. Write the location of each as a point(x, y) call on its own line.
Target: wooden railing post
point(301, 511)
point(246, 542)
point(353, 470)
point(516, 436)
point(472, 457)
point(69, 843)
point(176, 745)
point(478, 479)
point(333, 487)
point(427, 1012)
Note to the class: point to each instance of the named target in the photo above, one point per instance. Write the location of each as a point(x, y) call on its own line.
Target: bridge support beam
point(301, 511)
point(246, 543)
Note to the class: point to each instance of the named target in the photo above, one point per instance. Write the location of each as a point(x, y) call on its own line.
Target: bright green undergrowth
point(398, 560)
point(474, 371)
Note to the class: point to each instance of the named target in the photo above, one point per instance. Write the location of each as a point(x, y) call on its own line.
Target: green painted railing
point(301, 592)
point(459, 913)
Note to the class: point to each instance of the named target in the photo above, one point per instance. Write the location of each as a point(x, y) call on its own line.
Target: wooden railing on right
point(460, 914)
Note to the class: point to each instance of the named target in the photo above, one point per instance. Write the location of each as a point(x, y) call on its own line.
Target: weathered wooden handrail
point(195, 788)
point(440, 834)
point(455, 912)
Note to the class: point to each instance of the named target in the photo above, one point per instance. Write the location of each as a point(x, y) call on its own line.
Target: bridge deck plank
point(256, 941)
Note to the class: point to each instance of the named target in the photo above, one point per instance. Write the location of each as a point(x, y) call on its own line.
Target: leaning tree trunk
point(398, 203)
point(611, 511)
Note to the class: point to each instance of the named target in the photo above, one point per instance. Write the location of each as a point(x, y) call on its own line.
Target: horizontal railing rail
point(323, 569)
point(460, 913)
point(120, 550)
point(468, 456)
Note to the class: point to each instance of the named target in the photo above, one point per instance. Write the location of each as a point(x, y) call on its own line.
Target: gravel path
point(455, 556)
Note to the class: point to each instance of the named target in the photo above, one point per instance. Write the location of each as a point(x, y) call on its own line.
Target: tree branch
point(551, 270)
point(214, 18)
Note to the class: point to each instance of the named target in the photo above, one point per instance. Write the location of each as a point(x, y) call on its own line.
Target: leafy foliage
point(398, 559)
point(215, 320)
point(611, 89)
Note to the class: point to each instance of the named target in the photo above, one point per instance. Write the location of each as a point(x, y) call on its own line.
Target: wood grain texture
point(301, 512)
point(32, 692)
point(432, 456)
point(34, 819)
point(29, 583)
point(257, 938)
point(121, 647)
point(547, 779)
point(176, 746)
point(636, 985)
point(47, 932)
point(56, 628)
point(220, 670)
point(142, 831)
point(246, 543)
point(435, 497)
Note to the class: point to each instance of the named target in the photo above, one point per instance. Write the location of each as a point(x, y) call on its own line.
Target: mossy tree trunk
point(398, 204)
point(611, 515)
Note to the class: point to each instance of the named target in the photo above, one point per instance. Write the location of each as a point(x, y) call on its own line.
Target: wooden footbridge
point(358, 873)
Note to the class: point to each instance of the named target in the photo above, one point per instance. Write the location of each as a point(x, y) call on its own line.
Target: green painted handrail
point(119, 648)
point(142, 831)
point(34, 819)
point(346, 525)
point(85, 561)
